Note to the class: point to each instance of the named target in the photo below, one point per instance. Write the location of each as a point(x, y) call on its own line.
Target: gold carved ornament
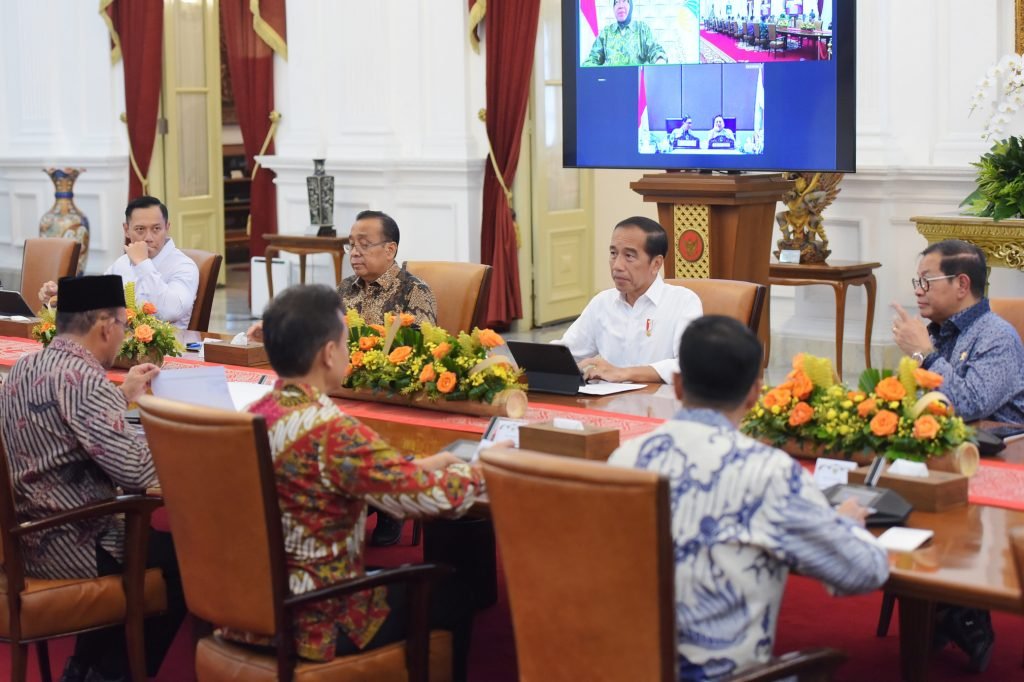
point(691, 241)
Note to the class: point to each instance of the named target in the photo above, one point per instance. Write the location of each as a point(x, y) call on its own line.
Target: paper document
point(608, 388)
point(899, 539)
point(244, 394)
point(830, 472)
point(206, 386)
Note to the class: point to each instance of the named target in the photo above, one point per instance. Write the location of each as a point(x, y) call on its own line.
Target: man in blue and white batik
point(743, 513)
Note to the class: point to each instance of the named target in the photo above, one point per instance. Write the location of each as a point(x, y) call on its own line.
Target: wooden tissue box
point(19, 330)
point(590, 443)
point(249, 355)
point(942, 490)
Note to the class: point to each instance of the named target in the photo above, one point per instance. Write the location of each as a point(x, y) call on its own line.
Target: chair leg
point(885, 615)
point(43, 654)
point(19, 661)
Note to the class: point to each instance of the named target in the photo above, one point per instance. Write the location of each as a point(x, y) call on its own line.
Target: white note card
point(206, 386)
point(830, 472)
point(567, 424)
point(608, 388)
point(899, 539)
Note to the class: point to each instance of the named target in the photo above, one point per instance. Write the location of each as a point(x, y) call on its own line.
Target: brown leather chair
point(217, 477)
point(36, 610)
point(209, 267)
point(1011, 310)
point(743, 301)
point(601, 606)
point(460, 289)
point(46, 260)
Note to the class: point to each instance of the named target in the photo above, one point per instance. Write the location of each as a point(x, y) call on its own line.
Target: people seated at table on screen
point(162, 273)
point(683, 135)
point(626, 41)
point(743, 513)
point(631, 332)
point(719, 136)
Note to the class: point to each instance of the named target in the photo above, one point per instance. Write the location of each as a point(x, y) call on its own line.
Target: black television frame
point(844, 17)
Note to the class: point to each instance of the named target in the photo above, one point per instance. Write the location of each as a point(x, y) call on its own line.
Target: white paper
point(898, 539)
point(789, 256)
point(567, 424)
point(244, 393)
point(608, 388)
point(505, 429)
point(905, 467)
point(830, 472)
point(14, 318)
point(240, 339)
point(206, 386)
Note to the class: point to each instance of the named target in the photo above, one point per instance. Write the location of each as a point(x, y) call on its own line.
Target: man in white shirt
point(743, 513)
point(163, 275)
point(631, 332)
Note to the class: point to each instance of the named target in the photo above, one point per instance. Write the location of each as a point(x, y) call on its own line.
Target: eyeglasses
point(924, 283)
point(124, 324)
point(362, 248)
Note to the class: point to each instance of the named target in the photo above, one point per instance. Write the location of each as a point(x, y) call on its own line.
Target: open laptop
point(550, 368)
point(11, 303)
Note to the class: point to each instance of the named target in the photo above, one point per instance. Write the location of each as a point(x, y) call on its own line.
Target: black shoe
point(971, 630)
point(388, 530)
point(74, 671)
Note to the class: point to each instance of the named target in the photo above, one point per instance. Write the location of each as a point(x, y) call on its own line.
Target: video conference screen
point(709, 84)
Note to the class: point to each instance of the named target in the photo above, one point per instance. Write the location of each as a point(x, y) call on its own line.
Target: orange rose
point(802, 385)
point(428, 374)
point(926, 428)
point(889, 389)
point(442, 350)
point(144, 333)
point(884, 423)
point(446, 382)
point(938, 408)
point(379, 328)
point(927, 380)
point(856, 395)
point(148, 308)
point(400, 354)
point(801, 414)
point(368, 342)
point(490, 338)
point(867, 408)
point(777, 396)
point(46, 326)
point(131, 314)
point(356, 359)
point(407, 319)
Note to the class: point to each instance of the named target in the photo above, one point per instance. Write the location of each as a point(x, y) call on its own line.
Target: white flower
point(1006, 79)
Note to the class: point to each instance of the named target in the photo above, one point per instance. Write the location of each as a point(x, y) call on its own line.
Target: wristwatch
point(919, 356)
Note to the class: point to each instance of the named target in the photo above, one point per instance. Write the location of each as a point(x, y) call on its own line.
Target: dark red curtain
point(511, 36)
point(137, 26)
point(251, 65)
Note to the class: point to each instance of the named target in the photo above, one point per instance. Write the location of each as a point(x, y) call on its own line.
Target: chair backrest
point(460, 289)
point(217, 477)
point(740, 300)
point(46, 260)
point(1017, 547)
point(8, 516)
point(1011, 310)
point(599, 605)
point(209, 267)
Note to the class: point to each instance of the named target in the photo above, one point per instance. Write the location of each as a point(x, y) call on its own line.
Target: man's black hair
point(297, 323)
point(719, 360)
point(961, 258)
point(656, 243)
point(388, 226)
point(143, 202)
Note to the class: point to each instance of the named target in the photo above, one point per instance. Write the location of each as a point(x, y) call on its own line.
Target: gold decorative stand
point(1002, 242)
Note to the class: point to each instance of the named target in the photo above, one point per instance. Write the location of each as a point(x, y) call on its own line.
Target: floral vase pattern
point(64, 220)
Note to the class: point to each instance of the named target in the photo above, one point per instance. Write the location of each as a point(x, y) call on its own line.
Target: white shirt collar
point(653, 293)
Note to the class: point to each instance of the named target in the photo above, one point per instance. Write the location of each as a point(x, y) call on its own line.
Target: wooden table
point(840, 275)
point(303, 246)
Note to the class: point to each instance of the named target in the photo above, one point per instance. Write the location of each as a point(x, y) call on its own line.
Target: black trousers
point(105, 650)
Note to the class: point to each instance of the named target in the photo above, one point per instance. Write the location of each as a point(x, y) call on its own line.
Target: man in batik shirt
point(329, 466)
point(627, 42)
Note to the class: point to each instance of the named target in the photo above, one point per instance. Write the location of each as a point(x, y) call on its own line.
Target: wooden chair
point(209, 267)
point(218, 481)
point(621, 549)
point(742, 301)
point(1011, 310)
point(37, 610)
point(460, 289)
point(46, 260)
point(775, 41)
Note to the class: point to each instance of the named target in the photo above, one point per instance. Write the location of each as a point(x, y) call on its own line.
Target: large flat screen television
point(736, 85)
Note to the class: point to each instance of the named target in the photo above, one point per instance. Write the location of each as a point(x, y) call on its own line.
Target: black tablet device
point(550, 367)
point(11, 303)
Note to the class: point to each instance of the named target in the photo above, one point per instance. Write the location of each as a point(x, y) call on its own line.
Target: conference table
point(968, 562)
point(801, 33)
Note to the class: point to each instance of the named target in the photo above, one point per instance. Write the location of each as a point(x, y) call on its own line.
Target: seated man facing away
point(743, 513)
point(328, 467)
point(162, 273)
point(68, 446)
point(631, 332)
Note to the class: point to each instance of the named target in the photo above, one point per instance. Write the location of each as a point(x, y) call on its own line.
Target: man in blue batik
point(743, 513)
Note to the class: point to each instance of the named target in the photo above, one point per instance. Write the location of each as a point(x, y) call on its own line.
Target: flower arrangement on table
point(900, 415)
point(146, 339)
point(427, 362)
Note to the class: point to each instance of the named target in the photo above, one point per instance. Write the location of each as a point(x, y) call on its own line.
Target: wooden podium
point(719, 226)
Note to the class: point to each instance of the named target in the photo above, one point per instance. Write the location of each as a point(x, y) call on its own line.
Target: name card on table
point(589, 442)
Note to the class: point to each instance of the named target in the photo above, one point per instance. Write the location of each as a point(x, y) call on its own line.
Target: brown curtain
point(137, 34)
point(251, 38)
point(511, 36)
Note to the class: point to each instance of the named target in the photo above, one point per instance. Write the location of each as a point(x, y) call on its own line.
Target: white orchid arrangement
point(1001, 92)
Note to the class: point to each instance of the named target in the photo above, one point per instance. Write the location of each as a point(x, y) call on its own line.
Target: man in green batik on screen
point(627, 42)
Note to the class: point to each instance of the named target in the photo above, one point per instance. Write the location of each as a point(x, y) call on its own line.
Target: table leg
point(268, 256)
point(917, 620)
point(302, 268)
point(840, 289)
point(337, 269)
point(870, 286)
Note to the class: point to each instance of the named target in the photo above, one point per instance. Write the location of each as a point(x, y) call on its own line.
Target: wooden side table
point(840, 275)
point(303, 246)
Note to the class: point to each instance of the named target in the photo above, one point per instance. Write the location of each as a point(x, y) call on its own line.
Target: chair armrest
point(809, 664)
point(128, 504)
point(411, 573)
